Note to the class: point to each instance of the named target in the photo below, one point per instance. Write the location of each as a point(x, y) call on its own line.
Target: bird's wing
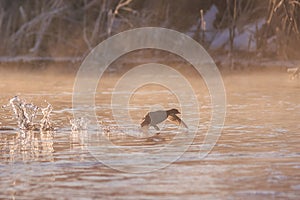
point(158, 116)
point(177, 120)
point(146, 121)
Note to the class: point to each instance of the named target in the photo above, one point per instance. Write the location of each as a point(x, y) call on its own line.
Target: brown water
point(256, 157)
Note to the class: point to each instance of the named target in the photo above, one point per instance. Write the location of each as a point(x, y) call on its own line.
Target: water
point(25, 114)
point(256, 157)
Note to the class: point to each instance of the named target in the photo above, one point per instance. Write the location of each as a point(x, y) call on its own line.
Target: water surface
point(256, 157)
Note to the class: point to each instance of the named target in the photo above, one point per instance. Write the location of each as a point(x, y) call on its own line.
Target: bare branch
point(295, 2)
point(23, 14)
point(112, 14)
point(278, 5)
point(44, 25)
point(271, 9)
point(35, 21)
point(121, 4)
point(85, 38)
point(97, 23)
point(90, 4)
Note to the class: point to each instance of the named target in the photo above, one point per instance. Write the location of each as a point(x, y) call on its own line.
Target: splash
point(45, 123)
point(26, 113)
point(79, 124)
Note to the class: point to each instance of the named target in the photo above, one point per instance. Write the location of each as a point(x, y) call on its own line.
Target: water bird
point(156, 117)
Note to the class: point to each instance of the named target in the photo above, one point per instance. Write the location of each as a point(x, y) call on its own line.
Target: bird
point(156, 117)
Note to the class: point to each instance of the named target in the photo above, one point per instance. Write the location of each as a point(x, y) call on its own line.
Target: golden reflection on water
point(256, 157)
point(27, 146)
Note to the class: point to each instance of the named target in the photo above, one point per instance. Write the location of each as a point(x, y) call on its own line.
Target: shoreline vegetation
point(238, 35)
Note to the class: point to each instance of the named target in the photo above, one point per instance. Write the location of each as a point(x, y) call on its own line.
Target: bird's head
point(173, 111)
